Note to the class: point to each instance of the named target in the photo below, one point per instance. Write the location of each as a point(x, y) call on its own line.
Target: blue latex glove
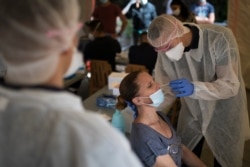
point(182, 87)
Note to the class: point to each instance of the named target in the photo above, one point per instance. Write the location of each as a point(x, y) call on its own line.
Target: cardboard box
point(114, 80)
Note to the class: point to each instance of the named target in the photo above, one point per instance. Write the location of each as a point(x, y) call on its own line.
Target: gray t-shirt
point(148, 143)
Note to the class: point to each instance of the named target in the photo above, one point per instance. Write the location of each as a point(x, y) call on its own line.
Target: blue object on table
point(107, 101)
point(182, 87)
point(118, 121)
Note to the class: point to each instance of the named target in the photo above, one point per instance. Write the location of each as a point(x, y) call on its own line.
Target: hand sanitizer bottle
point(118, 121)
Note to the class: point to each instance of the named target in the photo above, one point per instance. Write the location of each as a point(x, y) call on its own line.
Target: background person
point(85, 38)
point(107, 13)
point(143, 53)
point(202, 66)
point(142, 13)
point(204, 12)
point(152, 136)
point(182, 12)
point(103, 46)
point(41, 124)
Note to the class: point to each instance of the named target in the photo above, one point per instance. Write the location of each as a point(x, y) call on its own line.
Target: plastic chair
point(135, 67)
point(100, 71)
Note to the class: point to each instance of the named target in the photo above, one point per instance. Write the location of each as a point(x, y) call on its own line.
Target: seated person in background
point(182, 12)
point(152, 136)
point(103, 47)
point(143, 54)
point(204, 12)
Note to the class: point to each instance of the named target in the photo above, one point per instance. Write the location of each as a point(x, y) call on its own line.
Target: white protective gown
point(49, 128)
point(217, 109)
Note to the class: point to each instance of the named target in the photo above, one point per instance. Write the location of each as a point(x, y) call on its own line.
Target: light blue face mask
point(157, 98)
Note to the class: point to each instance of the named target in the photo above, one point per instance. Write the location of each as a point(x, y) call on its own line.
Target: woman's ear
point(137, 101)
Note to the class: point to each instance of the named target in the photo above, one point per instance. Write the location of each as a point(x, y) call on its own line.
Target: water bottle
point(118, 121)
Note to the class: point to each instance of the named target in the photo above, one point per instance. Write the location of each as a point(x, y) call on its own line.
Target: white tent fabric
point(238, 22)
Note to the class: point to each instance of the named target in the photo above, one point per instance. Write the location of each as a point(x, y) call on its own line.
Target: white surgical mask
point(157, 98)
point(175, 53)
point(176, 12)
point(75, 65)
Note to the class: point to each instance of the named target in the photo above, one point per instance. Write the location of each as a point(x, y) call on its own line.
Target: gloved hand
point(182, 87)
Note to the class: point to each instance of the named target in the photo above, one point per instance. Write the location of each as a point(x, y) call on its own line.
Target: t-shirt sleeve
point(148, 147)
point(211, 9)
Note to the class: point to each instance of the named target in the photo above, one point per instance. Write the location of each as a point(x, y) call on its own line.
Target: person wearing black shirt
point(102, 47)
point(143, 54)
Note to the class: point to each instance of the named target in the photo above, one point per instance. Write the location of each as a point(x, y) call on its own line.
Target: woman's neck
point(147, 115)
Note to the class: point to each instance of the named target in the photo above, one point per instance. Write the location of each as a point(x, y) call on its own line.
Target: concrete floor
point(207, 156)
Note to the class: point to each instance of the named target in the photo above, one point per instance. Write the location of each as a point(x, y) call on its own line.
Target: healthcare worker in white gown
point(41, 124)
point(202, 66)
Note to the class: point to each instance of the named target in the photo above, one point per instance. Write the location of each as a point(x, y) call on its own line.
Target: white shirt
point(49, 128)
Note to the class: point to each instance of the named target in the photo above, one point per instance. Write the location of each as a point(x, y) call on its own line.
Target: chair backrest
point(83, 89)
point(100, 71)
point(135, 67)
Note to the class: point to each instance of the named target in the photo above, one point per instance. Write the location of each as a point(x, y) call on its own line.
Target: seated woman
point(152, 137)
